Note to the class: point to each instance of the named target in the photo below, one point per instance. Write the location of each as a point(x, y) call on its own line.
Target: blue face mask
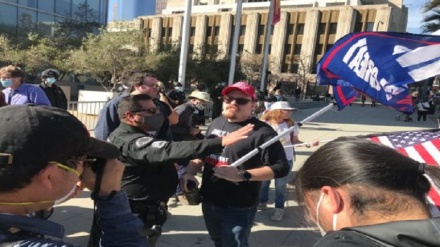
point(51, 80)
point(6, 82)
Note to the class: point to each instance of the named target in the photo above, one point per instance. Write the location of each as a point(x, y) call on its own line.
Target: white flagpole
point(235, 41)
point(184, 43)
point(276, 138)
point(306, 143)
point(266, 46)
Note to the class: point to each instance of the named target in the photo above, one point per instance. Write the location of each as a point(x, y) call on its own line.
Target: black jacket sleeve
point(153, 151)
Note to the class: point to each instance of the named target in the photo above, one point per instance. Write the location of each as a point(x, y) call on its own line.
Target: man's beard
point(230, 112)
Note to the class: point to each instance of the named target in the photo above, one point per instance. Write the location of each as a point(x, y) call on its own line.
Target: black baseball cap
point(34, 135)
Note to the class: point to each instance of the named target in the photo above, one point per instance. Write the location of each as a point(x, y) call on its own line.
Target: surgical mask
point(154, 123)
point(6, 82)
point(179, 88)
point(335, 217)
point(66, 197)
point(51, 80)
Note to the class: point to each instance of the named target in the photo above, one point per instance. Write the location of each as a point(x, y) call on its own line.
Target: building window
point(209, 31)
point(300, 30)
point(259, 49)
point(193, 31)
point(358, 27)
point(297, 50)
point(260, 30)
point(28, 3)
point(318, 49)
point(290, 29)
point(8, 18)
point(243, 30)
point(63, 7)
point(216, 31)
point(321, 29)
point(369, 27)
point(333, 27)
point(27, 20)
point(47, 5)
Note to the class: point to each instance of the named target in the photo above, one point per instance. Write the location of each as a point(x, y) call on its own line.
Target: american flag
point(423, 146)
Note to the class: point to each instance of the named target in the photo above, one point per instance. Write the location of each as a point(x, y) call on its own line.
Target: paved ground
point(185, 226)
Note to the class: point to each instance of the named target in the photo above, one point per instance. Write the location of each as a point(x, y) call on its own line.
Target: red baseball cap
point(242, 86)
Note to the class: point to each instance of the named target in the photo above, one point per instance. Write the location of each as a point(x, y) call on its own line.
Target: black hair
point(372, 170)
point(135, 78)
point(131, 104)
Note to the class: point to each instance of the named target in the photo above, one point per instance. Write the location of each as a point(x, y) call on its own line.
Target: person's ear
point(45, 176)
point(129, 116)
point(333, 200)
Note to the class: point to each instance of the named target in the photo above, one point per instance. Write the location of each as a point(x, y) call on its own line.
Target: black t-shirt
point(242, 194)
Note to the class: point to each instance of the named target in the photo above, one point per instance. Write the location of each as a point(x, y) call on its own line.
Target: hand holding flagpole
point(279, 136)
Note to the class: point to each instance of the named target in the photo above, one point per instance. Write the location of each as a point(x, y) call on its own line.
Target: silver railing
point(86, 111)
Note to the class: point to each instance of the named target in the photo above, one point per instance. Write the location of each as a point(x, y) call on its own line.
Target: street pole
point(184, 43)
point(235, 42)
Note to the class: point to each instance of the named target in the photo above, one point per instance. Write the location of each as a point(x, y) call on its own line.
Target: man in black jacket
point(54, 93)
point(150, 177)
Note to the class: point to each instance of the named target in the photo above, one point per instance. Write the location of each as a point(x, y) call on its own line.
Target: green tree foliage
point(107, 55)
point(210, 69)
point(431, 20)
point(9, 53)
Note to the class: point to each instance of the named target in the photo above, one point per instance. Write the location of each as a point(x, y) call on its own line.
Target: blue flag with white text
point(381, 64)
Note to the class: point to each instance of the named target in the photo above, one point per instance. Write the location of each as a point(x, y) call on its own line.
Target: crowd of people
point(148, 146)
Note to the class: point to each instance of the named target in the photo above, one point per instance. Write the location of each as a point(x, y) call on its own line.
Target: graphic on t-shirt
point(216, 160)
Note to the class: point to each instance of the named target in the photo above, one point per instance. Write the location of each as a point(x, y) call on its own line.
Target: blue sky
point(414, 14)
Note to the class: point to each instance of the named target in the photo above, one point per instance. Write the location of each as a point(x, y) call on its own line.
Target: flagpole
point(306, 143)
point(279, 136)
point(235, 42)
point(184, 43)
point(266, 45)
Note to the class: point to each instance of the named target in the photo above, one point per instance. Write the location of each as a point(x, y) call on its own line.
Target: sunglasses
point(238, 101)
point(152, 110)
point(155, 86)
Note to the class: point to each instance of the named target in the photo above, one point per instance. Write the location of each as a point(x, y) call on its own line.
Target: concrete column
point(225, 34)
point(278, 42)
point(310, 36)
point(251, 35)
point(177, 28)
point(199, 39)
point(156, 29)
point(346, 21)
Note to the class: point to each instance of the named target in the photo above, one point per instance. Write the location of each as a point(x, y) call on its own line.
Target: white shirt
point(285, 140)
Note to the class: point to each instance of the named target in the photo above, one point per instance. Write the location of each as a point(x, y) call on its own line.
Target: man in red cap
point(230, 194)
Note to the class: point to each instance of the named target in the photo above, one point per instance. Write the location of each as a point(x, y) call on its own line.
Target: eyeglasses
point(152, 110)
point(239, 101)
point(70, 169)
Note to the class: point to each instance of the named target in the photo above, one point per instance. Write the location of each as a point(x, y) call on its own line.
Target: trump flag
point(381, 65)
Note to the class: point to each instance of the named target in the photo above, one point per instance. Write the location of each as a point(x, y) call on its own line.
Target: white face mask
point(66, 197)
point(335, 217)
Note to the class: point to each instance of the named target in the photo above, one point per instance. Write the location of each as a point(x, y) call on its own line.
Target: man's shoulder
point(16, 224)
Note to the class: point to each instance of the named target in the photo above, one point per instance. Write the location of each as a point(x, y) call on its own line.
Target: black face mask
point(154, 123)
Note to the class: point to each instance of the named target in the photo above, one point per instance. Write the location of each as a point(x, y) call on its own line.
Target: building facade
point(19, 17)
point(127, 10)
point(307, 29)
point(160, 5)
